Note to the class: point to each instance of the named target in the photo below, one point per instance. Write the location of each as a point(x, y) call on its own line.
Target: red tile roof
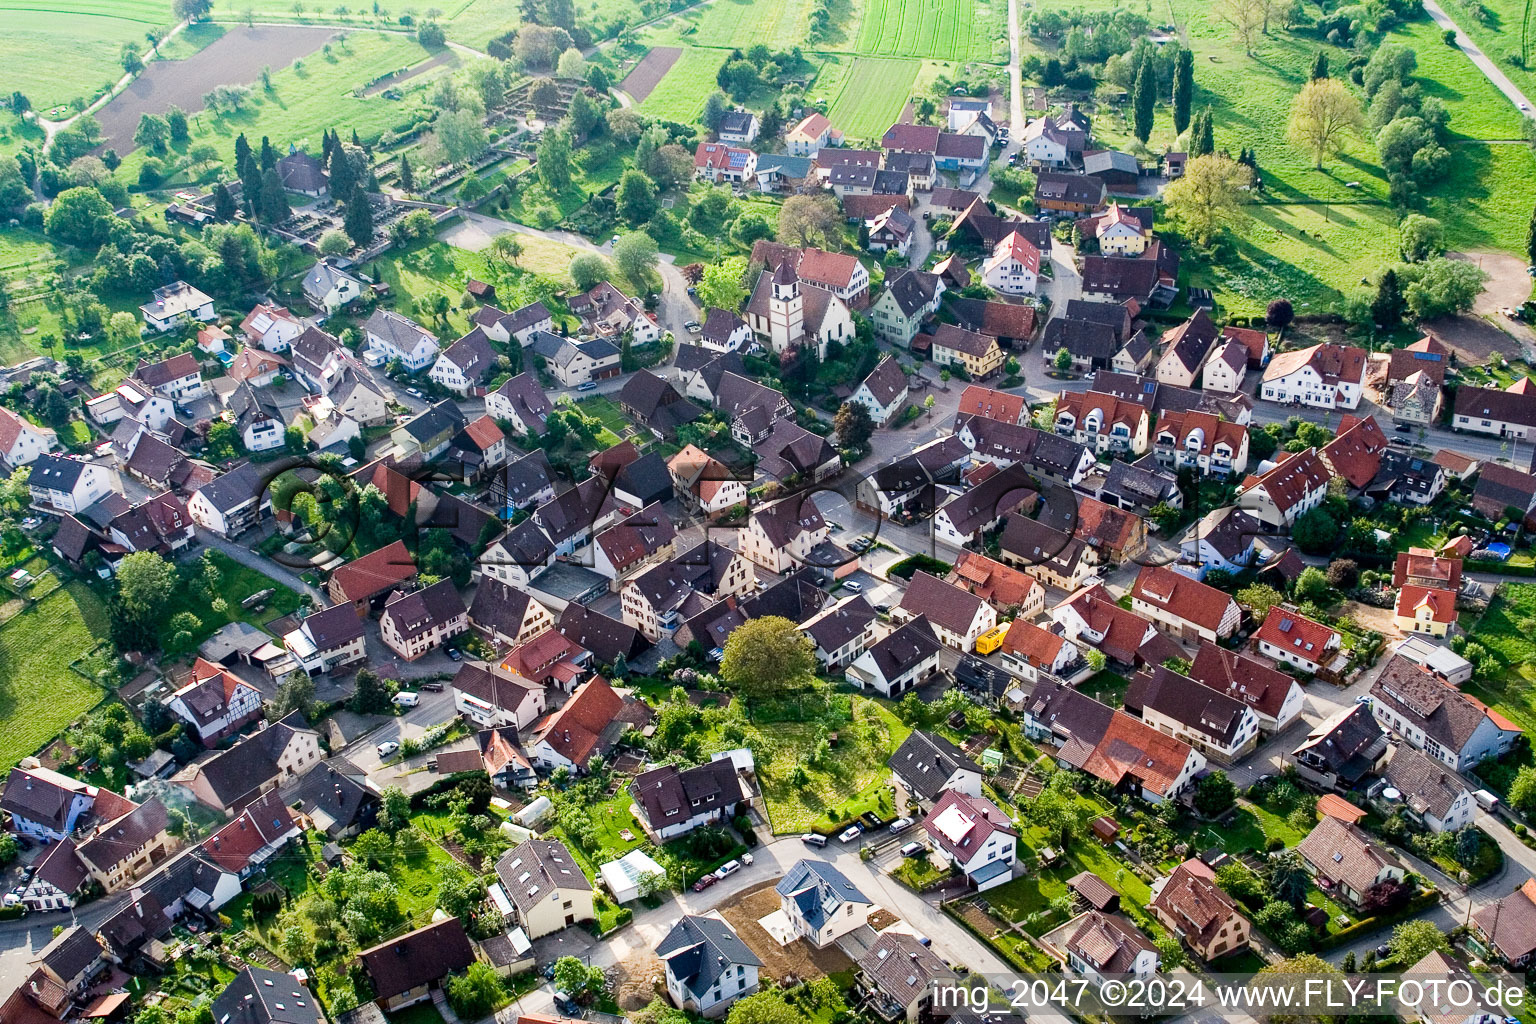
point(1441, 603)
point(976, 400)
point(576, 729)
point(1039, 647)
point(1179, 595)
point(1355, 454)
point(374, 573)
point(1289, 631)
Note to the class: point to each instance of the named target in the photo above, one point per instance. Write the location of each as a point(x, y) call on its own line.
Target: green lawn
point(238, 583)
point(871, 96)
point(607, 411)
point(1107, 687)
point(39, 695)
point(312, 95)
point(680, 95)
point(437, 268)
point(56, 52)
point(190, 40)
point(856, 766)
point(729, 24)
point(1503, 631)
point(941, 29)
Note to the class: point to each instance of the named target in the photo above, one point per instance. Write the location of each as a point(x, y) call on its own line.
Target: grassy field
point(779, 24)
point(941, 29)
point(190, 40)
point(39, 695)
point(471, 22)
point(680, 95)
point(16, 133)
point(430, 268)
point(307, 99)
point(1504, 630)
point(238, 584)
point(871, 96)
point(55, 53)
point(856, 767)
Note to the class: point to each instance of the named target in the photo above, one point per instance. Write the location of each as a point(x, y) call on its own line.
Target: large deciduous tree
point(1209, 198)
point(767, 655)
point(1323, 115)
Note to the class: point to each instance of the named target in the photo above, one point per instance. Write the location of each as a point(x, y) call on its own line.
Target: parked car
point(454, 654)
point(812, 839)
point(693, 327)
point(850, 833)
point(899, 824)
point(407, 699)
point(853, 586)
point(586, 385)
point(705, 882)
point(432, 687)
point(387, 748)
point(414, 392)
point(912, 849)
point(728, 869)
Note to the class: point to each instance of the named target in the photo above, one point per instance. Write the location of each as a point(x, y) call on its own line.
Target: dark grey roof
point(911, 289)
point(526, 476)
point(418, 958)
point(334, 794)
point(925, 760)
point(604, 636)
point(260, 996)
point(400, 331)
point(886, 380)
point(71, 953)
point(699, 951)
point(57, 472)
point(241, 484)
point(420, 611)
point(536, 868)
point(1141, 483)
point(1085, 339)
point(646, 478)
point(668, 794)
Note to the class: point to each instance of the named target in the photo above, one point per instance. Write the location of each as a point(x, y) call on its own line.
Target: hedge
point(1500, 568)
point(1370, 924)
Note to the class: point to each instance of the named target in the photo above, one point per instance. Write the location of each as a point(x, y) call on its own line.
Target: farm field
point(940, 29)
point(872, 96)
point(190, 40)
point(306, 100)
point(55, 53)
point(736, 23)
point(39, 695)
point(652, 69)
point(470, 22)
point(680, 94)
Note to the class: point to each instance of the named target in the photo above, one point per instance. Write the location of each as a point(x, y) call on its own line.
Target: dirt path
point(411, 72)
point(645, 76)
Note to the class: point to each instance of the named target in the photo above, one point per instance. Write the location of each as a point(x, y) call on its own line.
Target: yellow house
point(977, 354)
point(1426, 610)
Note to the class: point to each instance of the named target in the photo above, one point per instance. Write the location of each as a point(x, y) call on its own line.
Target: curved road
point(1471, 49)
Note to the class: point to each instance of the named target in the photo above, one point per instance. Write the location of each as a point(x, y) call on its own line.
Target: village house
point(1121, 230)
point(546, 887)
point(822, 905)
point(519, 325)
point(1297, 483)
point(839, 273)
point(328, 639)
point(1028, 651)
point(904, 659)
point(1201, 441)
point(909, 298)
point(977, 354)
point(1324, 376)
point(1190, 904)
point(975, 836)
point(1508, 926)
point(577, 361)
point(405, 970)
point(1226, 367)
point(1185, 349)
point(705, 483)
point(1430, 792)
point(631, 544)
point(717, 162)
point(585, 725)
point(415, 622)
point(1071, 195)
point(175, 304)
point(1102, 422)
point(1187, 608)
point(466, 366)
point(1099, 946)
point(657, 600)
point(883, 392)
point(521, 402)
point(1434, 716)
point(1014, 266)
point(271, 327)
point(902, 978)
point(957, 616)
point(608, 313)
point(390, 337)
point(1508, 413)
point(1426, 610)
point(232, 503)
point(1340, 854)
point(492, 697)
point(1297, 640)
point(63, 483)
point(214, 703)
point(22, 441)
point(1274, 696)
point(260, 762)
point(1341, 750)
point(327, 288)
point(964, 518)
point(1091, 618)
point(782, 534)
point(1222, 728)
point(673, 802)
point(708, 967)
point(1010, 590)
point(808, 136)
point(1049, 555)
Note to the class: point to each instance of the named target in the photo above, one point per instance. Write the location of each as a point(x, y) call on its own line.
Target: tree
point(635, 256)
point(810, 220)
point(1183, 88)
point(1202, 139)
point(589, 270)
point(1323, 115)
point(1319, 66)
point(145, 582)
point(505, 249)
point(572, 64)
point(1388, 305)
point(1214, 794)
point(1343, 573)
point(176, 121)
point(1442, 287)
point(721, 286)
point(1420, 237)
point(739, 78)
point(763, 1007)
point(1311, 585)
point(1306, 965)
point(1144, 99)
point(407, 180)
point(584, 116)
point(274, 202)
point(335, 243)
point(637, 197)
point(555, 160)
point(1315, 531)
point(766, 656)
point(576, 979)
point(1062, 361)
point(1259, 598)
point(295, 693)
point(1412, 941)
point(1279, 314)
point(80, 216)
point(1288, 878)
point(1165, 516)
point(1245, 18)
point(359, 218)
point(475, 993)
point(715, 108)
point(431, 35)
point(1209, 197)
point(853, 425)
point(461, 134)
point(1522, 791)
point(130, 60)
point(192, 10)
point(123, 328)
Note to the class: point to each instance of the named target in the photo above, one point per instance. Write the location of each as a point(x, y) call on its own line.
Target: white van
point(407, 699)
point(1486, 800)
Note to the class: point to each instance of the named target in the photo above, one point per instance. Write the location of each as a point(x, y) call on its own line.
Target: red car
point(705, 883)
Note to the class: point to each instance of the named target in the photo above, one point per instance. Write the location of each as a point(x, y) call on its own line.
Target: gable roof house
point(1190, 904)
point(1296, 640)
point(673, 802)
point(522, 323)
point(1430, 792)
point(717, 162)
point(839, 273)
point(973, 512)
point(327, 639)
point(979, 355)
point(1324, 376)
point(1339, 853)
point(1508, 926)
point(1500, 489)
point(586, 724)
point(466, 366)
point(1221, 727)
point(1009, 590)
point(957, 616)
point(1507, 413)
point(492, 698)
point(908, 299)
point(926, 766)
point(1109, 744)
point(1355, 452)
point(1341, 749)
point(390, 336)
point(821, 903)
point(974, 835)
point(415, 622)
point(364, 581)
point(608, 313)
point(214, 703)
point(1074, 195)
point(1297, 483)
point(658, 599)
point(1049, 555)
point(902, 977)
point(259, 996)
point(405, 970)
point(1149, 279)
point(883, 392)
point(1092, 618)
point(1275, 697)
point(1185, 350)
point(1092, 345)
point(1102, 422)
point(254, 837)
point(782, 534)
point(335, 797)
point(708, 967)
point(266, 759)
point(1100, 946)
point(1030, 651)
point(328, 288)
point(176, 304)
point(841, 632)
point(1453, 727)
point(1187, 608)
point(522, 402)
point(1202, 441)
point(1014, 266)
point(1140, 486)
point(546, 887)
